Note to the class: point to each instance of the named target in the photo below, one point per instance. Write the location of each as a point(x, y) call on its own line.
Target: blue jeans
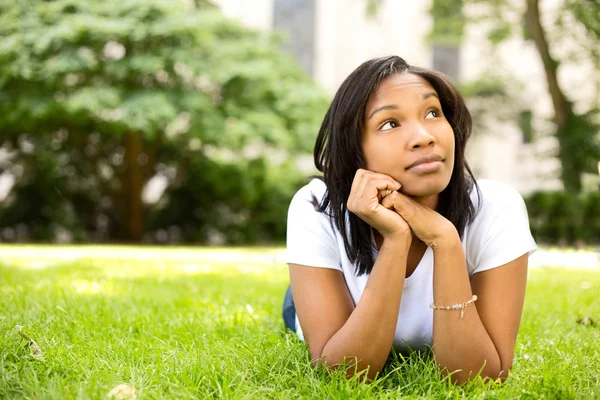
point(289, 310)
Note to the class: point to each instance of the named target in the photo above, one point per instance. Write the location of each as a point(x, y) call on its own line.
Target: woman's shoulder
point(305, 203)
point(311, 238)
point(495, 202)
point(494, 195)
point(315, 189)
point(500, 231)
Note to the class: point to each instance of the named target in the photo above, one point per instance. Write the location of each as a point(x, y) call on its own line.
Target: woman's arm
point(483, 340)
point(335, 330)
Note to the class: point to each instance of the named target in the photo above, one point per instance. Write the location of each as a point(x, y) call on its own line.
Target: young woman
point(397, 245)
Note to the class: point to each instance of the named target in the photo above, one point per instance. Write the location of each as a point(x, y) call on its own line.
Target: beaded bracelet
point(457, 306)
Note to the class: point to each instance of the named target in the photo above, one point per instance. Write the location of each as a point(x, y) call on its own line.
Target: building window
point(297, 19)
point(446, 59)
point(447, 35)
point(526, 125)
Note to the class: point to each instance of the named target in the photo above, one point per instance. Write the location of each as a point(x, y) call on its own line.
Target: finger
point(379, 188)
point(356, 182)
point(377, 180)
point(401, 204)
point(383, 193)
point(362, 179)
point(389, 201)
point(377, 175)
point(363, 176)
point(389, 204)
point(356, 188)
point(366, 186)
point(395, 200)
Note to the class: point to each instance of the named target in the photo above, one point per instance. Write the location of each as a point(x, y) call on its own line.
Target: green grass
point(186, 324)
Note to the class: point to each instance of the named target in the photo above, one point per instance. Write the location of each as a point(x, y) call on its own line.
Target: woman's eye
point(433, 113)
point(389, 125)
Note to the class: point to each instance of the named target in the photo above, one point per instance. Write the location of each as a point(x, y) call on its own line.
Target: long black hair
point(338, 153)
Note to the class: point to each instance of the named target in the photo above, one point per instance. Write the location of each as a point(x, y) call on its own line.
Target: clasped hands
point(376, 199)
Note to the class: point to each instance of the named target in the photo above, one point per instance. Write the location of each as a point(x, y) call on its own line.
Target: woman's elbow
point(505, 371)
point(494, 371)
point(351, 365)
point(499, 372)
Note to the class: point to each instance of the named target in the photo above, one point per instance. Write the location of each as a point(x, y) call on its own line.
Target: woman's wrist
point(398, 239)
point(446, 241)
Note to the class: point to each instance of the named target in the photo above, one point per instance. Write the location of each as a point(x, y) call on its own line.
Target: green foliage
point(235, 202)
point(499, 34)
point(586, 14)
point(122, 90)
point(64, 183)
point(565, 218)
point(120, 66)
point(578, 135)
point(579, 148)
point(493, 99)
point(448, 22)
point(209, 326)
point(501, 15)
point(372, 7)
point(39, 193)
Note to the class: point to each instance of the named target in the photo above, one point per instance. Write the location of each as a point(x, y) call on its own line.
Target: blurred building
point(330, 38)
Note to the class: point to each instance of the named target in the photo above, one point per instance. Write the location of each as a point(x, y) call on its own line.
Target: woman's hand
point(368, 188)
point(428, 225)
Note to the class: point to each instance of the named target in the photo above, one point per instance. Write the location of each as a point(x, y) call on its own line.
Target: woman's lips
point(426, 168)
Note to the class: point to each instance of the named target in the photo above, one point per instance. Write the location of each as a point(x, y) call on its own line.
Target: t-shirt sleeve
point(311, 240)
point(502, 233)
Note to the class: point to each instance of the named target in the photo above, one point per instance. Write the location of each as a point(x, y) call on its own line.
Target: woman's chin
point(422, 189)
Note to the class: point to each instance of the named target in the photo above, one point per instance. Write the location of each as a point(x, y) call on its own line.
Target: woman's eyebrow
point(430, 94)
point(424, 96)
point(389, 107)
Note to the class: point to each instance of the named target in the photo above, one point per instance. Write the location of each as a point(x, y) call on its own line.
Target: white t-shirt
point(498, 234)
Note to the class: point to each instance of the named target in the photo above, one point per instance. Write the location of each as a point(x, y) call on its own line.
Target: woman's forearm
point(461, 345)
point(366, 337)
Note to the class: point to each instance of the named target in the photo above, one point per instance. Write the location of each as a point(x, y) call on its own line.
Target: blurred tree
point(577, 134)
point(578, 23)
point(248, 203)
point(122, 90)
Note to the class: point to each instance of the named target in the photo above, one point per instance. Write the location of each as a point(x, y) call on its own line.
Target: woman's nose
point(420, 137)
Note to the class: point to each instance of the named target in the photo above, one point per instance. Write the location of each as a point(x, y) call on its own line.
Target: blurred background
point(193, 121)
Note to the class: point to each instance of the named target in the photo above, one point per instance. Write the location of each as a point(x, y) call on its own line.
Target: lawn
point(194, 324)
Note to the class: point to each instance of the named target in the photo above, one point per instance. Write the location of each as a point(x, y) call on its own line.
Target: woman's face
point(405, 127)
